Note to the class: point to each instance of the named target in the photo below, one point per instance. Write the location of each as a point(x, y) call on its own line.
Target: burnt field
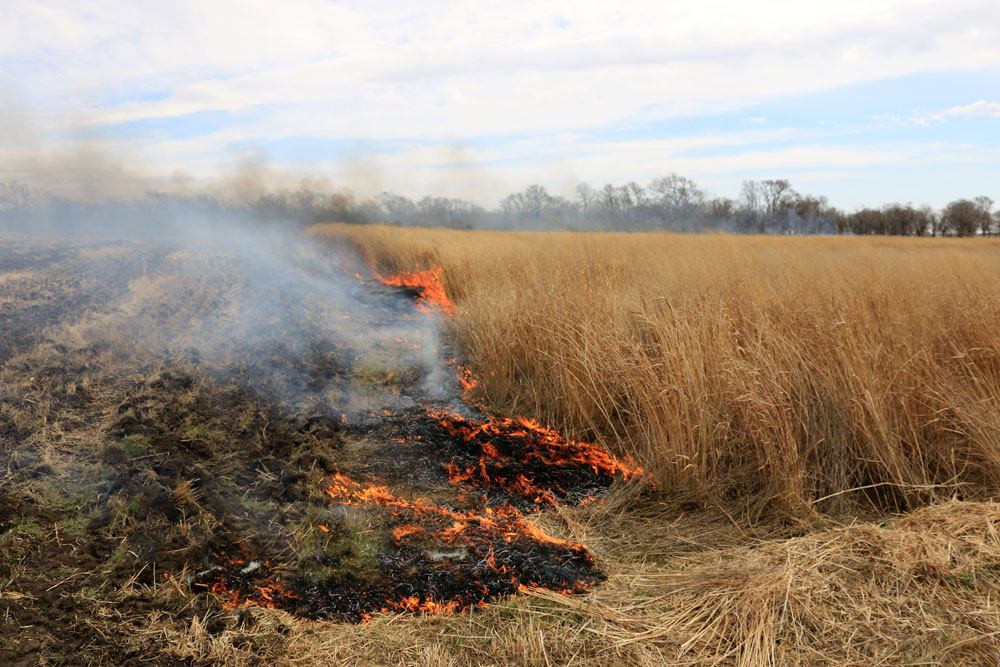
point(189, 435)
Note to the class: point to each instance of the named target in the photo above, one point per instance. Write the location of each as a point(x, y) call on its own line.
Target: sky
point(864, 101)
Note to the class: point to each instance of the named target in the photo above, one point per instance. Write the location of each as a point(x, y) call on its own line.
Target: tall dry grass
point(792, 372)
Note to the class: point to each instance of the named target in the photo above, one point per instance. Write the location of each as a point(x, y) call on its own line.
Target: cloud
point(522, 89)
point(980, 108)
point(521, 57)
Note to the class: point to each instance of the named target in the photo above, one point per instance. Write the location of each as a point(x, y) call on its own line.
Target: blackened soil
point(165, 427)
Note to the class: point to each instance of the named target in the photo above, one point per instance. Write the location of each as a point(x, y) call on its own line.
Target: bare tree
point(677, 197)
point(610, 199)
point(587, 195)
point(536, 199)
point(752, 207)
point(962, 216)
point(399, 209)
point(637, 192)
point(985, 206)
point(775, 193)
point(513, 205)
point(721, 209)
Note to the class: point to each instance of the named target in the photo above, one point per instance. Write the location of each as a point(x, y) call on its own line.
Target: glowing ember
point(469, 528)
point(430, 557)
point(446, 560)
point(531, 461)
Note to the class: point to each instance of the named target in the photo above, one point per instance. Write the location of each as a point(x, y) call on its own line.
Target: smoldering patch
point(276, 427)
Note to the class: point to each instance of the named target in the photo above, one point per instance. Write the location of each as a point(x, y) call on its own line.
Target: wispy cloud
point(980, 108)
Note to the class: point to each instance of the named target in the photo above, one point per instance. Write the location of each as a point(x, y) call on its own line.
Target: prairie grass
point(792, 373)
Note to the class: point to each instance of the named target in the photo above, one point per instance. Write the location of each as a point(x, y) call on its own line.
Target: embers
point(438, 560)
point(392, 552)
point(530, 462)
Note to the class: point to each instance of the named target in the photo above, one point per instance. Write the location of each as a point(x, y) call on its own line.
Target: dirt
point(170, 424)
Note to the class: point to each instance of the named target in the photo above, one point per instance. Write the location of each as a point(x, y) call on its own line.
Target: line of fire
point(473, 545)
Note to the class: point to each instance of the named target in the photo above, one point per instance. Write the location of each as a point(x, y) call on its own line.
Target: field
point(779, 370)
point(233, 453)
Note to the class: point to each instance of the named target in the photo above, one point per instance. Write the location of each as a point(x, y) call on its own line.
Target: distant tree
point(536, 200)
point(985, 206)
point(721, 208)
point(636, 192)
point(963, 217)
point(398, 209)
point(587, 195)
point(535, 208)
point(625, 201)
point(448, 212)
point(812, 215)
point(902, 220)
point(676, 197)
point(610, 200)
point(513, 205)
point(775, 194)
point(894, 219)
point(927, 220)
point(751, 207)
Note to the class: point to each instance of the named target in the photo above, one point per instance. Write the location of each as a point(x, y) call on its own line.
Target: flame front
point(437, 558)
point(429, 287)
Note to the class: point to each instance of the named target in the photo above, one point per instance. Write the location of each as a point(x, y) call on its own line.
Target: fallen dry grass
point(920, 589)
point(783, 371)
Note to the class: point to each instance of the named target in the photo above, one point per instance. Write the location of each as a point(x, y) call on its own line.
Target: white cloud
point(613, 60)
point(980, 108)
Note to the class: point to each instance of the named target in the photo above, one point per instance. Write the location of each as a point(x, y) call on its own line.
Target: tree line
point(670, 203)
point(769, 206)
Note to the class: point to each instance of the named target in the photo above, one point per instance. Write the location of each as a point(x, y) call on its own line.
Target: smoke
point(263, 309)
point(215, 272)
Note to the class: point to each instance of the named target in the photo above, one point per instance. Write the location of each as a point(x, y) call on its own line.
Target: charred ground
point(173, 420)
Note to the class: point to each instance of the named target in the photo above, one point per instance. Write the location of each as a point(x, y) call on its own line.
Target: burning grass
point(530, 461)
point(920, 589)
point(201, 425)
point(425, 285)
point(796, 373)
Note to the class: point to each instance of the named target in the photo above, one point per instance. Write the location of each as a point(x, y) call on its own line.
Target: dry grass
point(784, 371)
point(920, 589)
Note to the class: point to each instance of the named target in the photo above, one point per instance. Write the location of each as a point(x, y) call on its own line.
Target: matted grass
point(920, 589)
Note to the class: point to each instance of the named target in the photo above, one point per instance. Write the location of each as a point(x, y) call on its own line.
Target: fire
point(242, 584)
point(483, 553)
point(467, 378)
point(428, 286)
point(437, 558)
point(529, 460)
point(469, 527)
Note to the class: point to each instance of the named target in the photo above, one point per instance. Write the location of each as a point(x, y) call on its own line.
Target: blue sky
point(864, 102)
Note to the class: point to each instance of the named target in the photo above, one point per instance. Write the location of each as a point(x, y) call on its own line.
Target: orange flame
point(463, 527)
point(432, 293)
point(534, 442)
